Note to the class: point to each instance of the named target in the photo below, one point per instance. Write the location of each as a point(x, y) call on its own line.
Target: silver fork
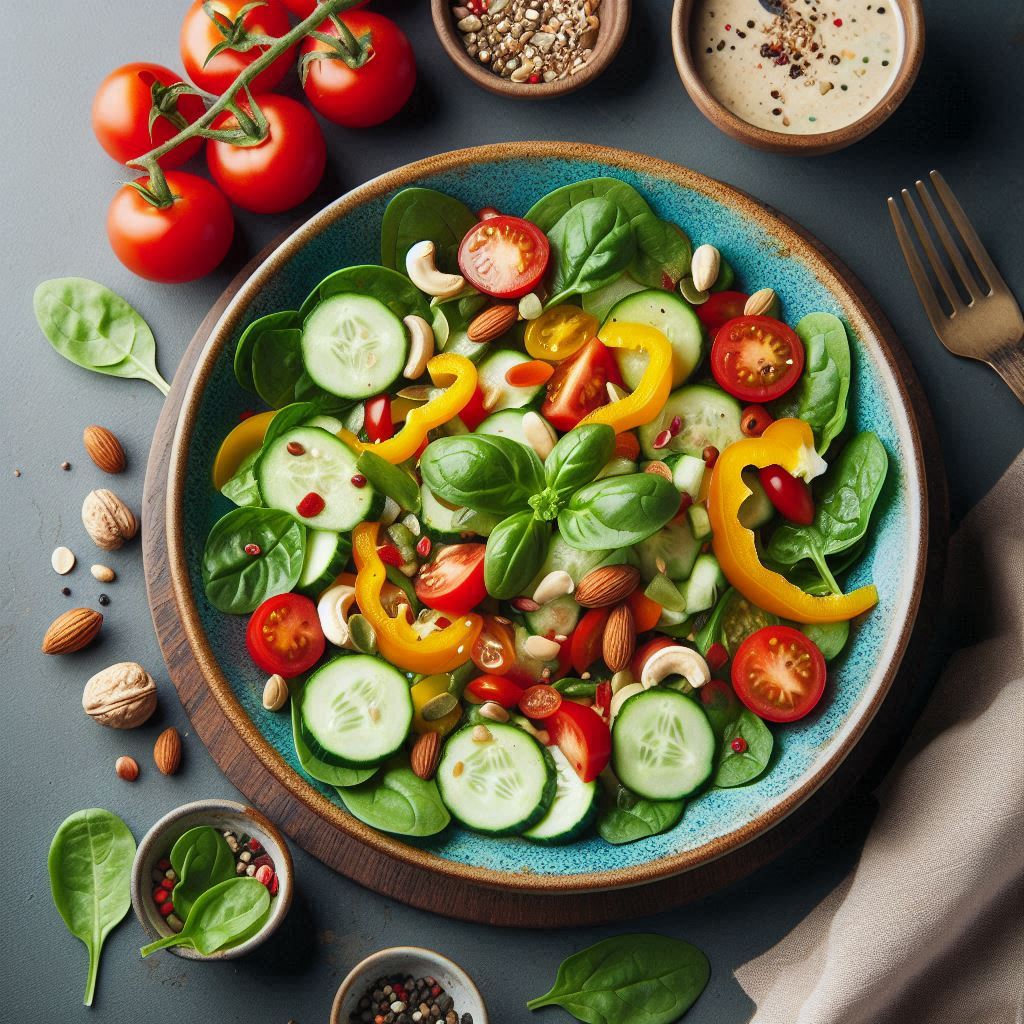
point(987, 325)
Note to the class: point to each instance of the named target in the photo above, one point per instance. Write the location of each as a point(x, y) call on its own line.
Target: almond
point(72, 631)
point(104, 449)
point(607, 585)
point(762, 303)
point(425, 755)
point(492, 323)
point(167, 751)
point(659, 469)
point(619, 641)
point(127, 768)
point(705, 267)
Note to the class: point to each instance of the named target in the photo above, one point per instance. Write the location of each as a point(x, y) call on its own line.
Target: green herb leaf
point(201, 858)
point(618, 511)
point(392, 288)
point(399, 801)
point(277, 365)
point(420, 214)
point(247, 342)
point(735, 768)
point(329, 774)
point(516, 548)
point(578, 457)
point(626, 817)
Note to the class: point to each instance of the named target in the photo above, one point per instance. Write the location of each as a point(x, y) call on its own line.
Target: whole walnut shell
point(108, 520)
point(122, 696)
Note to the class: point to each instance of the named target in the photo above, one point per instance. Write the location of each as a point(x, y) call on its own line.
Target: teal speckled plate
point(765, 252)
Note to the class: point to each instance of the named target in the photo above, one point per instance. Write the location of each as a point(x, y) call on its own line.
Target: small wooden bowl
point(783, 142)
point(614, 15)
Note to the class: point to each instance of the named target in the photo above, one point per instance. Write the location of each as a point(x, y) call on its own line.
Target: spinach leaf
point(398, 801)
point(293, 415)
point(626, 817)
point(629, 979)
point(242, 488)
point(734, 768)
point(94, 327)
point(842, 512)
point(277, 365)
point(550, 209)
point(395, 290)
point(516, 549)
point(238, 583)
point(590, 246)
point(223, 916)
point(578, 457)
point(662, 249)
point(484, 472)
point(330, 774)
point(420, 214)
point(247, 342)
point(202, 858)
point(618, 511)
point(830, 637)
point(90, 866)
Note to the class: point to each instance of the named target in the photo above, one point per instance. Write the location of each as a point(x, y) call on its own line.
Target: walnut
point(122, 696)
point(108, 520)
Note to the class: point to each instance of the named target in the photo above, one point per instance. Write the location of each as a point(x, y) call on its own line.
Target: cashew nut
point(620, 698)
point(675, 661)
point(423, 272)
point(333, 609)
point(421, 346)
point(539, 434)
point(555, 584)
point(541, 648)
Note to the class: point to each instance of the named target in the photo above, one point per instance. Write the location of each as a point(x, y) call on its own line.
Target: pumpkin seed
point(364, 636)
point(439, 706)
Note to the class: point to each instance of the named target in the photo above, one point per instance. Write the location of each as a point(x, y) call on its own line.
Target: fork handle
point(1008, 362)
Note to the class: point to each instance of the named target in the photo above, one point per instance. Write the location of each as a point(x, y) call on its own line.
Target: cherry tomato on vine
point(559, 332)
point(178, 242)
point(454, 581)
point(540, 701)
point(284, 635)
point(376, 87)
point(280, 171)
point(756, 358)
point(504, 256)
point(200, 34)
point(719, 308)
point(579, 385)
point(122, 107)
point(779, 673)
point(790, 495)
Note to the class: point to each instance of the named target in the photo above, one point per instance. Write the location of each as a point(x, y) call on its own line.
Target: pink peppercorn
point(423, 547)
point(255, 845)
point(253, 549)
point(274, 886)
point(662, 440)
point(739, 744)
point(160, 895)
point(163, 863)
point(358, 480)
point(166, 908)
point(264, 875)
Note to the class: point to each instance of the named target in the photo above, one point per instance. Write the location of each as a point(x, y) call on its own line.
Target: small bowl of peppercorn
point(203, 844)
point(408, 985)
point(531, 49)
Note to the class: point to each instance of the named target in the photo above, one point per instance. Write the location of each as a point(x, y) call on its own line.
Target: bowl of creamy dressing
point(798, 76)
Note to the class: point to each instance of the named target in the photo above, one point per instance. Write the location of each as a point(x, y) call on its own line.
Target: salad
point(546, 519)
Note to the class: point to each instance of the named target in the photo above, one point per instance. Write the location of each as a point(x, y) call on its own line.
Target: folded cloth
point(929, 926)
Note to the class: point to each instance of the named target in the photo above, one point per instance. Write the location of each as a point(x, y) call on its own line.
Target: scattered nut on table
point(122, 696)
point(103, 573)
point(62, 560)
point(108, 520)
point(127, 768)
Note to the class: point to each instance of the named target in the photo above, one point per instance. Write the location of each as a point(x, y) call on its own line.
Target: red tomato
point(779, 673)
point(720, 308)
point(454, 581)
point(583, 736)
point(304, 8)
point(474, 412)
point(580, 385)
point(585, 642)
point(284, 635)
point(121, 109)
point(756, 358)
point(374, 91)
point(499, 689)
point(179, 242)
point(644, 651)
point(603, 698)
point(540, 701)
point(790, 495)
point(494, 650)
point(755, 420)
point(504, 256)
point(200, 34)
point(377, 418)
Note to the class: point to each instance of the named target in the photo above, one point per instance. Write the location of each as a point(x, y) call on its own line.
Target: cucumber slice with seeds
point(709, 417)
point(507, 423)
point(572, 810)
point(326, 555)
point(499, 392)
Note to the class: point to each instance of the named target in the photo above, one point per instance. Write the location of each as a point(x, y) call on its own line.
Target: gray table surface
point(55, 183)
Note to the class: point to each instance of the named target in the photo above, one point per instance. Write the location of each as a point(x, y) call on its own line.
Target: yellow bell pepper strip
point(397, 641)
point(438, 411)
point(243, 440)
point(650, 395)
point(788, 443)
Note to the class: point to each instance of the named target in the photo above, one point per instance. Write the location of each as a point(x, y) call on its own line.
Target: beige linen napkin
point(929, 927)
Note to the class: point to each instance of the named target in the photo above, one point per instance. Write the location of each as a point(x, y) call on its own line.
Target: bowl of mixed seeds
point(531, 49)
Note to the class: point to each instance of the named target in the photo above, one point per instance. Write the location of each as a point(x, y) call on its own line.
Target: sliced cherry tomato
point(720, 704)
point(454, 581)
point(755, 420)
point(790, 495)
point(585, 642)
point(499, 689)
point(530, 374)
point(583, 736)
point(474, 412)
point(284, 635)
point(540, 701)
point(377, 420)
point(504, 256)
point(580, 385)
point(756, 358)
point(559, 332)
point(644, 651)
point(720, 308)
point(494, 650)
point(779, 673)
point(646, 612)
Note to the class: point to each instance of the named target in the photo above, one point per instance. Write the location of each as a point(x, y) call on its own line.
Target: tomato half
point(720, 308)
point(540, 701)
point(179, 242)
point(559, 332)
point(284, 635)
point(756, 358)
point(504, 256)
point(499, 689)
point(454, 581)
point(779, 673)
point(583, 736)
point(580, 385)
point(121, 110)
point(585, 642)
point(790, 496)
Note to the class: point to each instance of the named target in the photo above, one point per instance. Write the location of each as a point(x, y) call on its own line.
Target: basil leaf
point(516, 549)
point(629, 979)
point(330, 774)
point(247, 342)
point(277, 366)
point(578, 457)
point(242, 488)
point(94, 327)
point(202, 858)
point(398, 801)
point(626, 817)
point(419, 214)
point(734, 768)
point(618, 511)
point(484, 472)
point(238, 583)
point(392, 288)
point(590, 246)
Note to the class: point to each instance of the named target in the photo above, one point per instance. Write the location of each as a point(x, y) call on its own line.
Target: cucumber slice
point(599, 303)
point(709, 417)
point(706, 582)
point(329, 423)
point(356, 711)
point(556, 618)
point(507, 423)
point(353, 346)
point(663, 747)
point(330, 774)
point(326, 555)
point(688, 475)
point(700, 521)
point(572, 810)
point(325, 467)
point(502, 786)
point(675, 544)
point(757, 509)
point(561, 555)
point(666, 312)
point(491, 376)
point(436, 518)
